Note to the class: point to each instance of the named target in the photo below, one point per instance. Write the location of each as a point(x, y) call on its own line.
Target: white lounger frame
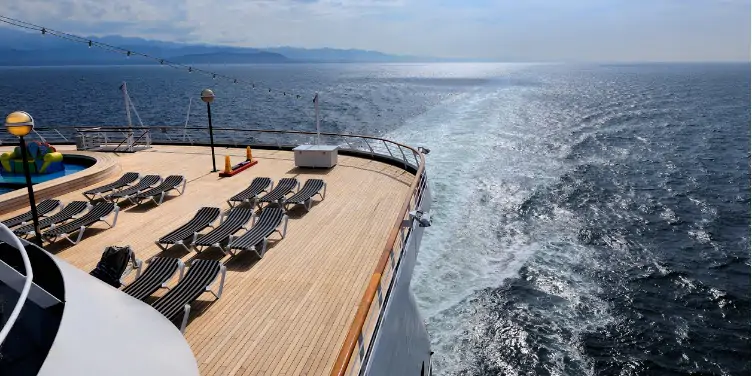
point(166, 246)
point(81, 230)
point(102, 194)
point(253, 200)
point(30, 233)
point(218, 294)
point(161, 195)
point(259, 252)
point(219, 245)
point(307, 203)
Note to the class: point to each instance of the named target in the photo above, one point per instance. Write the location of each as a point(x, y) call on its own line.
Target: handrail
point(7, 236)
point(351, 340)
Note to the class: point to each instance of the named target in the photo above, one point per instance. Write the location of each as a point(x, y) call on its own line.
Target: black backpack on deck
point(113, 264)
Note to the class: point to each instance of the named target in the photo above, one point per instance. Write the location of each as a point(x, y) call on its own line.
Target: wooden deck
point(288, 313)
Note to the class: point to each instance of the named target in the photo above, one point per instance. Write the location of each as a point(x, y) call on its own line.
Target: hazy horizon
point(617, 31)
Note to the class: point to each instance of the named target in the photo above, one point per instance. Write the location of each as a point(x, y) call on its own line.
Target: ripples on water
point(588, 220)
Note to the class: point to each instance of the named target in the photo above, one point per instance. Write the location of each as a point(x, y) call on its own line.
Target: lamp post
point(208, 96)
point(20, 124)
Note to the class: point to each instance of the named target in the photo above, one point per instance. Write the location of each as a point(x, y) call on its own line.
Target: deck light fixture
point(208, 96)
point(20, 124)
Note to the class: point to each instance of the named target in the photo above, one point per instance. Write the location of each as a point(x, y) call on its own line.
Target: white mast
point(187, 116)
point(318, 130)
point(127, 103)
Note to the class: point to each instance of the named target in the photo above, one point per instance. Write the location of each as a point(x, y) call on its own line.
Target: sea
point(587, 219)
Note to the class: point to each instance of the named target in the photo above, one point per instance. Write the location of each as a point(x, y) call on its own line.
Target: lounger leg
point(161, 199)
point(323, 196)
point(114, 220)
point(186, 312)
point(226, 249)
point(284, 229)
point(223, 274)
point(264, 244)
point(80, 235)
point(162, 247)
point(183, 245)
point(181, 269)
point(185, 181)
point(230, 203)
point(138, 263)
point(134, 202)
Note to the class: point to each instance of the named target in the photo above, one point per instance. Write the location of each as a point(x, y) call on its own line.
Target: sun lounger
point(201, 275)
point(176, 182)
point(43, 208)
point(285, 186)
point(124, 181)
point(145, 183)
point(203, 219)
point(235, 220)
point(305, 195)
point(98, 213)
point(67, 213)
point(157, 273)
point(250, 194)
point(266, 224)
point(116, 263)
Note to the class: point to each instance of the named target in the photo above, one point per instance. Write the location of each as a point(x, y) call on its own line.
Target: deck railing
point(364, 326)
point(7, 236)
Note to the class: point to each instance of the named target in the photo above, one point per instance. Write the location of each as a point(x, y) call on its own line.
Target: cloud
point(499, 29)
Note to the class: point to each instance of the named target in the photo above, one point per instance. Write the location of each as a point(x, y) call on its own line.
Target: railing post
point(387, 148)
point(347, 142)
point(369, 147)
point(403, 156)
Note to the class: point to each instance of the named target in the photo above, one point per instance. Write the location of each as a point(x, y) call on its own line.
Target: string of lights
point(128, 53)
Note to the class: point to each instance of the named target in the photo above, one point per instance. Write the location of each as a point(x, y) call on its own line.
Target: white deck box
point(324, 156)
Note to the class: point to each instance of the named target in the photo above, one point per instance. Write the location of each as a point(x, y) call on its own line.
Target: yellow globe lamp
point(207, 95)
point(19, 123)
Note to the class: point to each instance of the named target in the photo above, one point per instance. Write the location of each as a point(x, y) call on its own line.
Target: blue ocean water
point(589, 219)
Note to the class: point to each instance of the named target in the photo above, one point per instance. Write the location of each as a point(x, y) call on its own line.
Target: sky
point(503, 30)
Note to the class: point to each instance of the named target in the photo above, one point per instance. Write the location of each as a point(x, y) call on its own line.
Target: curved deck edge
point(105, 165)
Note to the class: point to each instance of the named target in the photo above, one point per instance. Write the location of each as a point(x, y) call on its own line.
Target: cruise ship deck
point(288, 313)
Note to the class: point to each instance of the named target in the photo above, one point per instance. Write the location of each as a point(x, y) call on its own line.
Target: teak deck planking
point(288, 313)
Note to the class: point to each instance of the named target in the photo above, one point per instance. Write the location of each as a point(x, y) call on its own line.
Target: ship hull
point(401, 345)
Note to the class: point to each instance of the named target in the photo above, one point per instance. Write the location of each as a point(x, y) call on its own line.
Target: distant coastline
point(20, 48)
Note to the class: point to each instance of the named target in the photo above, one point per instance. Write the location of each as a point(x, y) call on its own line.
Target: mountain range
point(19, 48)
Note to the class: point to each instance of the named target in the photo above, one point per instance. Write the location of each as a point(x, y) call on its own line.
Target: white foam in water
point(487, 158)
point(460, 252)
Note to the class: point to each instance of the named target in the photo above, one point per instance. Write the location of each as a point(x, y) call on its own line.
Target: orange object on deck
point(228, 166)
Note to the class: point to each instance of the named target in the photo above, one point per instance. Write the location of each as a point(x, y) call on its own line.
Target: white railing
point(7, 236)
